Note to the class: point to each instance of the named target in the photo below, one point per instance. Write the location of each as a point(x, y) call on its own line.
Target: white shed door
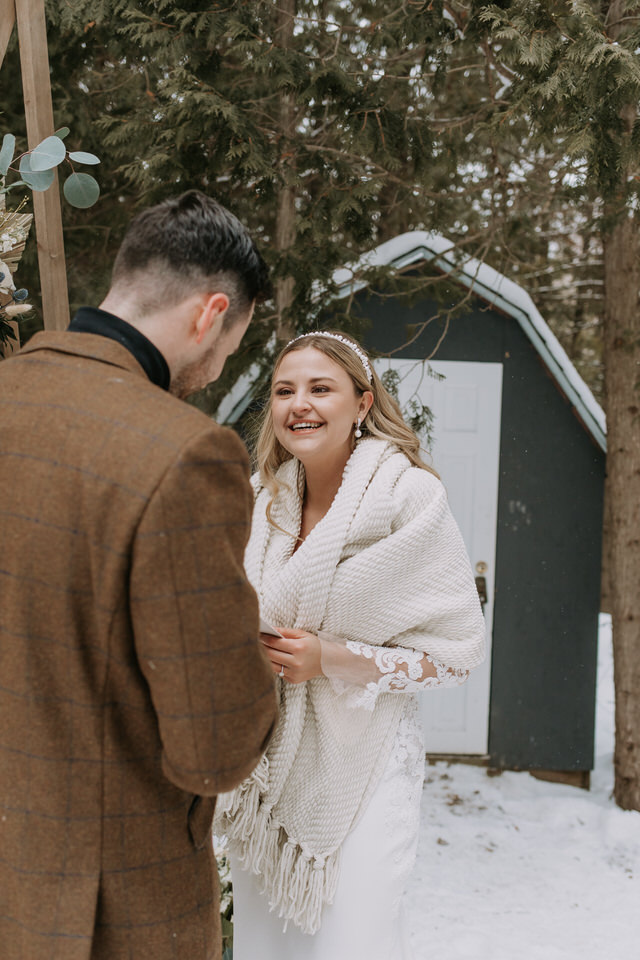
point(465, 451)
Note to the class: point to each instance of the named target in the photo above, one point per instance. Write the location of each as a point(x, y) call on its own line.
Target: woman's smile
point(305, 426)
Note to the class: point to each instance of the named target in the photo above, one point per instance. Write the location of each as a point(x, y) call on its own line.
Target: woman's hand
point(297, 651)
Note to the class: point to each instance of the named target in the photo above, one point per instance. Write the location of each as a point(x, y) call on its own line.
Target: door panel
point(466, 405)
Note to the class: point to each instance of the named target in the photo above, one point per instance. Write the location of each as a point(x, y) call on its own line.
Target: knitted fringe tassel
point(281, 890)
point(262, 844)
point(297, 884)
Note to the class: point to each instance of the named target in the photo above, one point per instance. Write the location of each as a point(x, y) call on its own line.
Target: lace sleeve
point(361, 672)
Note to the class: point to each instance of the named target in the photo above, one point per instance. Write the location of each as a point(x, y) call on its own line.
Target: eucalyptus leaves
point(36, 168)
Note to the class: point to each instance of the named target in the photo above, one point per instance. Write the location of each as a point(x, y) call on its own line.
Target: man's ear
point(212, 310)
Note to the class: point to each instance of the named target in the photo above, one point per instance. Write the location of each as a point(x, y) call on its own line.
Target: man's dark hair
point(188, 244)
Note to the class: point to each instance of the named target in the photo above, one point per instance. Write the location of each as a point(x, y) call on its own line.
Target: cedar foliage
point(328, 128)
point(314, 130)
point(212, 82)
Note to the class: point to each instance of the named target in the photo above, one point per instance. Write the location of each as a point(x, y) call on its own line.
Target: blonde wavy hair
point(384, 420)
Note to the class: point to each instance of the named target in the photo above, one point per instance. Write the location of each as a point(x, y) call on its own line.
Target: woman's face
point(314, 407)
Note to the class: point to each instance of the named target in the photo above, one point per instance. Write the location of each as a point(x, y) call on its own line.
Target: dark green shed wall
point(548, 539)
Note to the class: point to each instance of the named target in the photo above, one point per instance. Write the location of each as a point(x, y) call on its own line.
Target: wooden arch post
point(38, 107)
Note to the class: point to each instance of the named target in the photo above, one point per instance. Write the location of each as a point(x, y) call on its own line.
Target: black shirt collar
point(94, 320)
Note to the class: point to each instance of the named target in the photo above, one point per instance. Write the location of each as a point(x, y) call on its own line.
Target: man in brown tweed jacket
point(132, 685)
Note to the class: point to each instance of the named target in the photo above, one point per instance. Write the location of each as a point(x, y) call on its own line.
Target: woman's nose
point(300, 402)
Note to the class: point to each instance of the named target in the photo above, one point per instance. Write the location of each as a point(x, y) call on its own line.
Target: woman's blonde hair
point(384, 420)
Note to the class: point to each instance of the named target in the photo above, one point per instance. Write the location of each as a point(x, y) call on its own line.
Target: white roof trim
point(497, 290)
point(234, 403)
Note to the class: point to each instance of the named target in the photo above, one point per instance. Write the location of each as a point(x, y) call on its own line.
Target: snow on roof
point(497, 290)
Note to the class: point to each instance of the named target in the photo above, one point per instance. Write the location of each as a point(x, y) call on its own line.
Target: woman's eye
point(287, 391)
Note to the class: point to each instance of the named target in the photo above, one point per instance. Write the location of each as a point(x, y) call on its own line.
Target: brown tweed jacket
point(132, 685)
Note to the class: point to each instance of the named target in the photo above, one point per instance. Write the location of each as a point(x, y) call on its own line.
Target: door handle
point(481, 587)
point(481, 582)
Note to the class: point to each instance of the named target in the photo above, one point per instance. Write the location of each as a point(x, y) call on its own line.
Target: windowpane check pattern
point(132, 685)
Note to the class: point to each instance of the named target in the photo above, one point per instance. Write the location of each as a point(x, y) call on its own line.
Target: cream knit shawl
point(385, 565)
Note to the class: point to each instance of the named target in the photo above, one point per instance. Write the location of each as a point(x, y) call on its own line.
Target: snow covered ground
point(512, 868)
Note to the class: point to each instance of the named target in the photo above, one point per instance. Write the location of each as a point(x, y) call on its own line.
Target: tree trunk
point(621, 240)
point(622, 383)
point(285, 233)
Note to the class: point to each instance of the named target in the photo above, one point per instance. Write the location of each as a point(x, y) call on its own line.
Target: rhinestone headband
point(364, 360)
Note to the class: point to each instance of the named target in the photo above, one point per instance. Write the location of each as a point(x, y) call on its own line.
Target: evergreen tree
point(577, 80)
point(295, 114)
point(519, 208)
point(328, 128)
point(309, 119)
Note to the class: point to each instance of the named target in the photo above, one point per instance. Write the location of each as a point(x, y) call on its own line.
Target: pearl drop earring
point(358, 432)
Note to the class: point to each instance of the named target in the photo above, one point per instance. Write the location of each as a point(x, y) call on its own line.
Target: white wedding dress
point(365, 920)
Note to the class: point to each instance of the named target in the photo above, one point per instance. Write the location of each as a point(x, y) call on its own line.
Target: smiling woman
point(331, 366)
point(359, 565)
